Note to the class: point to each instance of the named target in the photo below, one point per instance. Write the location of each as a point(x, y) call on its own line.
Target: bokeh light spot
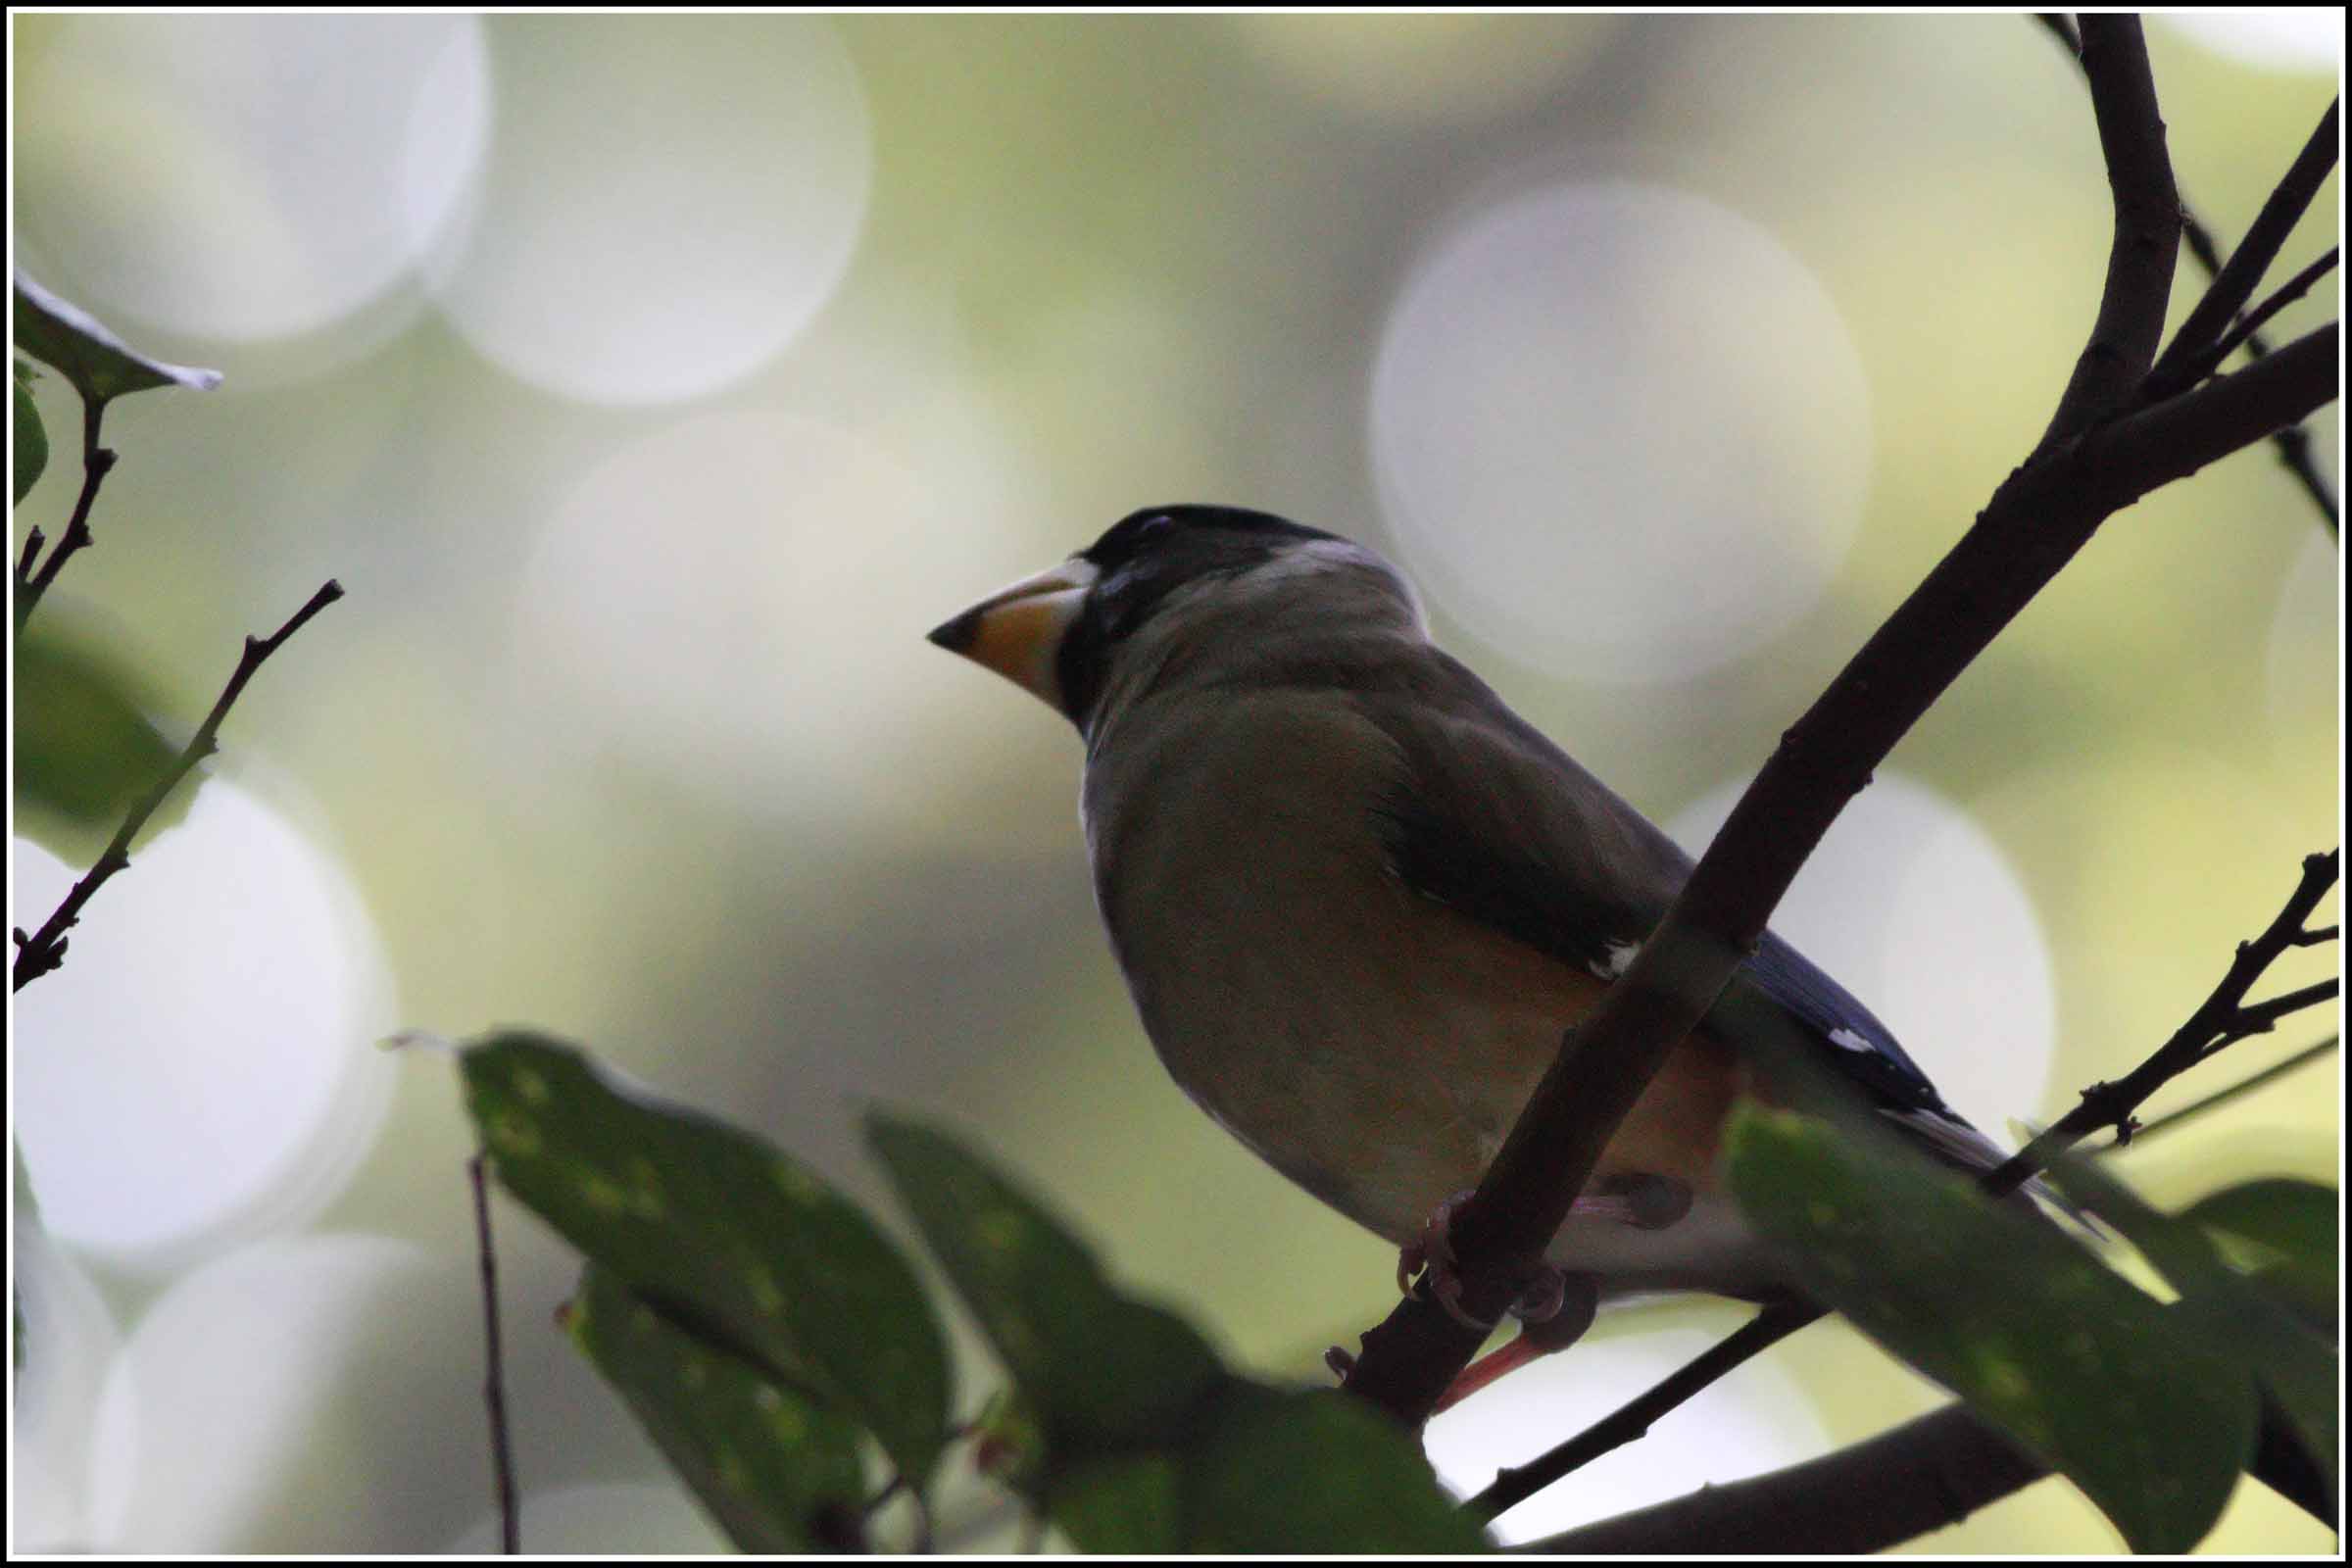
point(1619, 432)
point(246, 178)
point(664, 203)
point(202, 1069)
point(2304, 38)
point(224, 1398)
point(1755, 1423)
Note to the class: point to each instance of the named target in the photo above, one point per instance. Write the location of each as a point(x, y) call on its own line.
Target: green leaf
point(2285, 1228)
point(2037, 1335)
point(778, 1470)
point(32, 442)
point(1315, 1471)
point(722, 1229)
point(1103, 1374)
point(85, 751)
point(2232, 1312)
point(1127, 1506)
point(100, 364)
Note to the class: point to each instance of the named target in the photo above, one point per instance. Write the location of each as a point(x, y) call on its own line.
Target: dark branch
point(2154, 445)
point(2222, 1097)
point(2261, 1017)
point(2250, 263)
point(45, 949)
point(2294, 443)
point(1896, 1487)
point(2251, 324)
point(1925, 1475)
point(1630, 1421)
point(2147, 230)
point(494, 1374)
point(2039, 517)
point(2111, 1104)
point(97, 462)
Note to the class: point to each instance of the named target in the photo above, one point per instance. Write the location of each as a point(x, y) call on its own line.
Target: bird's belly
point(1379, 1055)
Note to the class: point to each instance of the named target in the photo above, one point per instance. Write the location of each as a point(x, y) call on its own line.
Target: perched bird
point(1357, 900)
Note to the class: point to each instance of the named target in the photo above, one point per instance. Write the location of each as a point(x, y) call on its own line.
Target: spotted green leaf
point(99, 365)
point(2288, 1229)
point(85, 751)
point(33, 441)
point(1101, 1373)
point(2037, 1335)
point(777, 1469)
point(2232, 1313)
point(721, 1227)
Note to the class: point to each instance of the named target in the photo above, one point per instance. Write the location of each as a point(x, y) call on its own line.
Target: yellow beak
point(1018, 631)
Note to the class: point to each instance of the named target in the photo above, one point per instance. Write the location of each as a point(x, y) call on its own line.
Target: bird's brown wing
point(1492, 819)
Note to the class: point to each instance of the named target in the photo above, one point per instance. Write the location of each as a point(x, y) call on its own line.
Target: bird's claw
point(1538, 1301)
point(1433, 1250)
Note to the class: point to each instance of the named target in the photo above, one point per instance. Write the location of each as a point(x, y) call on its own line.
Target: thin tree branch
point(2222, 1097)
point(2247, 266)
point(1925, 1475)
point(1921, 1475)
point(45, 949)
point(2146, 242)
point(2154, 445)
point(1515, 1484)
point(2250, 323)
point(2294, 442)
point(2261, 1017)
point(2111, 1104)
point(31, 553)
point(97, 462)
point(2040, 516)
point(494, 1374)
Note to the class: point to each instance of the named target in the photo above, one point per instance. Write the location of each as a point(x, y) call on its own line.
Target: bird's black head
point(1143, 558)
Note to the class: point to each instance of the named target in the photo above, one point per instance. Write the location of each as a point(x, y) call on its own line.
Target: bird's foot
point(1542, 1296)
point(1433, 1249)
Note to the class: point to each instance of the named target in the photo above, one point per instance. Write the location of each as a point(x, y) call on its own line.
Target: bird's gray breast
point(1315, 1006)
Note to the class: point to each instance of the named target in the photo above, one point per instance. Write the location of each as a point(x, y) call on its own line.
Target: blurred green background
point(654, 383)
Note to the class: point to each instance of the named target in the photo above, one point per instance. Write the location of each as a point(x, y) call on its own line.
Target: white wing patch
point(1850, 1041)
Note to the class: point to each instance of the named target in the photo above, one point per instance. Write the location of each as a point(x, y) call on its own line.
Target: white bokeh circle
point(1618, 430)
point(245, 178)
point(1758, 1422)
point(1913, 908)
point(203, 1069)
point(68, 1341)
point(231, 1372)
point(666, 202)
